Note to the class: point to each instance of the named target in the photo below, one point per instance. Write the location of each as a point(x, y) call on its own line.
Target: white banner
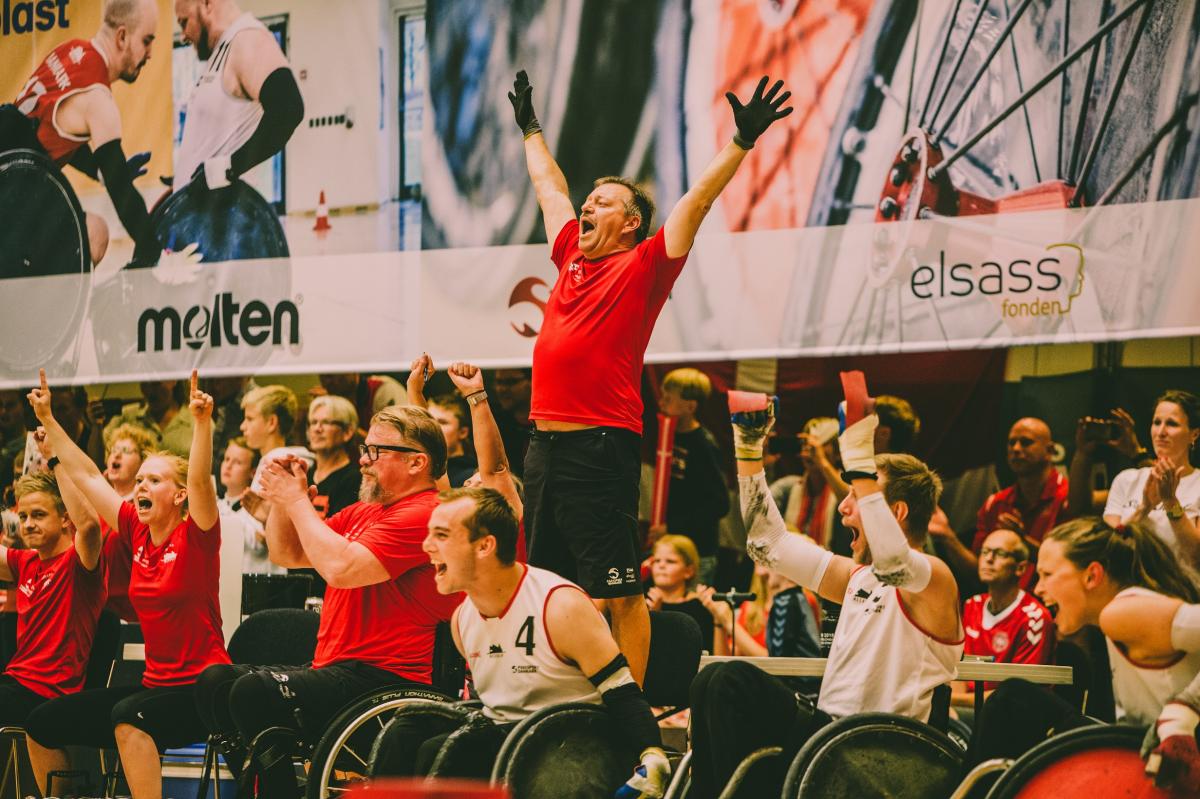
point(1110, 273)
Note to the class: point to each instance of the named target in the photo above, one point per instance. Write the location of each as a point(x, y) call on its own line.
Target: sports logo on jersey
point(861, 595)
point(495, 651)
point(1000, 642)
point(524, 669)
point(614, 576)
point(31, 586)
point(575, 270)
point(170, 555)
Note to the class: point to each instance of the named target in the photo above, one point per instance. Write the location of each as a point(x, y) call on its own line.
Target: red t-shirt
point(388, 625)
point(58, 603)
point(72, 67)
point(118, 561)
point(173, 588)
point(1022, 633)
point(1045, 515)
point(587, 362)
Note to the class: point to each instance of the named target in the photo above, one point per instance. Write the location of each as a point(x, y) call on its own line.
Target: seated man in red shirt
point(1005, 622)
point(1037, 501)
point(60, 592)
point(584, 462)
point(381, 605)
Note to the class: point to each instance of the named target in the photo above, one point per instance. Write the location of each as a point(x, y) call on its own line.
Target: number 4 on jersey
point(525, 636)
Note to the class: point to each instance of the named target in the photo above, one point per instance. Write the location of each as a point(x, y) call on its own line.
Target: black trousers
point(736, 709)
point(1015, 718)
point(237, 702)
point(168, 715)
point(409, 745)
point(16, 702)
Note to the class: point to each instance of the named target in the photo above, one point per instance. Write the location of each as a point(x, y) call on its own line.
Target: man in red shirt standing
point(583, 463)
point(77, 121)
point(1005, 622)
point(1037, 501)
point(381, 605)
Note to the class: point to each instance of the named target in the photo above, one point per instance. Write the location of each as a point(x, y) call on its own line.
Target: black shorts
point(581, 505)
point(16, 702)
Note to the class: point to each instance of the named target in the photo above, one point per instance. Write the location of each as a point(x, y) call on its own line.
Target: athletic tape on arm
point(283, 110)
point(892, 560)
point(768, 541)
point(627, 704)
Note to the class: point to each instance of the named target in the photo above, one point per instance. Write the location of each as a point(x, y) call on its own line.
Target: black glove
point(521, 98)
point(757, 115)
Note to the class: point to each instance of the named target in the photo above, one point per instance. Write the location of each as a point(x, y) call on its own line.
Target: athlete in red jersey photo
point(1005, 623)
point(60, 592)
point(381, 605)
point(583, 464)
point(173, 532)
point(78, 123)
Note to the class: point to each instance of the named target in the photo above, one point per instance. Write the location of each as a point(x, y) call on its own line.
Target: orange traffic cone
point(322, 215)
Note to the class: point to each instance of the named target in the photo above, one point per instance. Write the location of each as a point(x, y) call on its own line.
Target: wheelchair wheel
point(1099, 760)
point(43, 235)
point(340, 759)
point(230, 224)
point(437, 715)
point(570, 751)
point(875, 754)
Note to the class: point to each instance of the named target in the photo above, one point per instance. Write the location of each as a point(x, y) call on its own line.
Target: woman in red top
point(171, 528)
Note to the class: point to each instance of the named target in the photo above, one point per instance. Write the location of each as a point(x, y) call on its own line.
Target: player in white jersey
point(246, 103)
point(530, 638)
point(898, 636)
point(1126, 581)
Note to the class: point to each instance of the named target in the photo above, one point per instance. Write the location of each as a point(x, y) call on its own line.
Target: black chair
point(875, 754)
point(575, 750)
point(275, 637)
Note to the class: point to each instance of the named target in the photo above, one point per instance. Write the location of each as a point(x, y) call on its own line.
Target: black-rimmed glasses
point(372, 450)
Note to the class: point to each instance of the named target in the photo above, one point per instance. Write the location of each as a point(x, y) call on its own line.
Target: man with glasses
point(332, 422)
point(1005, 622)
point(381, 607)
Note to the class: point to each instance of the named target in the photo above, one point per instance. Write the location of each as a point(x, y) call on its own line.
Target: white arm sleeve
point(892, 560)
point(1185, 628)
point(768, 541)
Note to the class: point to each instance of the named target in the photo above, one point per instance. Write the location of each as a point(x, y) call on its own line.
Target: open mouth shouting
point(586, 225)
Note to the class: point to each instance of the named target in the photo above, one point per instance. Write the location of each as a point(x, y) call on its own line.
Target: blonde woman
point(173, 531)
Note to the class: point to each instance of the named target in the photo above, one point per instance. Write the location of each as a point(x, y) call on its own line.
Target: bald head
point(1030, 447)
point(127, 13)
point(1003, 558)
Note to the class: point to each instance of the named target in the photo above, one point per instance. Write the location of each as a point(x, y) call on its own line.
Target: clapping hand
point(285, 480)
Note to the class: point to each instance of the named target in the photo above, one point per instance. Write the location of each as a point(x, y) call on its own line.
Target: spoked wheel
point(341, 758)
point(43, 235)
point(982, 107)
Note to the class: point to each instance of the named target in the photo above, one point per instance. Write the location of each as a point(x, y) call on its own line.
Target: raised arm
point(418, 375)
point(88, 541)
point(751, 119)
point(202, 492)
point(549, 183)
point(75, 462)
point(341, 563)
point(768, 540)
point(489, 446)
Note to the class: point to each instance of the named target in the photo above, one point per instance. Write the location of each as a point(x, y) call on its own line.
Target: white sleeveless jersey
point(217, 123)
point(880, 660)
point(511, 657)
point(1141, 691)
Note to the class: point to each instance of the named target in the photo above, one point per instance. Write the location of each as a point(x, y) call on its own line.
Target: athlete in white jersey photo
point(898, 636)
point(531, 640)
point(246, 103)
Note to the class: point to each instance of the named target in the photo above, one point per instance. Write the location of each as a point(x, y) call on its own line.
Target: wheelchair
point(568, 751)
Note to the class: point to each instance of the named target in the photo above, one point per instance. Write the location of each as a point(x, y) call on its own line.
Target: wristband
point(740, 142)
point(53, 463)
point(1174, 514)
point(850, 477)
point(476, 397)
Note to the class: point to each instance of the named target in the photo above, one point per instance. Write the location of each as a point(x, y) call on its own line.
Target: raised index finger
point(194, 383)
point(42, 378)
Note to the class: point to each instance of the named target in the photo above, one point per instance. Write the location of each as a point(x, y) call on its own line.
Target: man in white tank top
point(898, 636)
point(245, 105)
point(531, 639)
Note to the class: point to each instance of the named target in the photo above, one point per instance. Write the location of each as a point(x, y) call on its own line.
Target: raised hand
point(285, 480)
point(1168, 479)
point(43, 444)
point(467, 377)
point(521, 98)
point(418, 376)
point(200, 403)
point(39, 398)
point(750, 430)
point(1127, 442)
point(1011, 520)
point(758, 113)
point(95, 413)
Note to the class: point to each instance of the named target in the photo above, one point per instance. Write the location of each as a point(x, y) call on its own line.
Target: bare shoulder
point(1131, 619)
